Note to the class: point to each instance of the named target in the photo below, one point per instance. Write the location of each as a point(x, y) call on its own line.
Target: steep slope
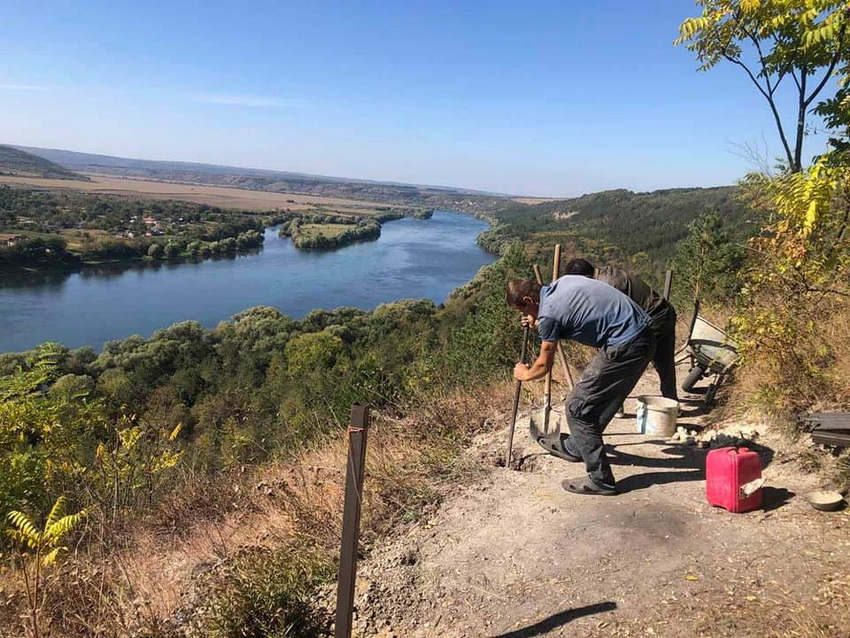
point(14, 161)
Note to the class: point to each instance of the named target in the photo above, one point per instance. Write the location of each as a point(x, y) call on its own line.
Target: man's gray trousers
point(603, 387)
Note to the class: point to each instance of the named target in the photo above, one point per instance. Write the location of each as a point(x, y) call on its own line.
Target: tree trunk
point(797, 165)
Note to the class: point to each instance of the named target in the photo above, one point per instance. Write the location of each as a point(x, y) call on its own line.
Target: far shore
point(223, 196)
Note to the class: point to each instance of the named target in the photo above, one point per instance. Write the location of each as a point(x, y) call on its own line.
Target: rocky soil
point(515, 555)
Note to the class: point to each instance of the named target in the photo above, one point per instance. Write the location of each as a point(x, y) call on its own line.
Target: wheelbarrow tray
point(710, 347)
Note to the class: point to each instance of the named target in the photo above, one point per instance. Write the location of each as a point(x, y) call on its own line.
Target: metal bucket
point(656, 416)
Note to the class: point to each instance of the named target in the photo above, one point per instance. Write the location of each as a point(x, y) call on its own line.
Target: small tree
point(156, 251)
point(786, 40)
point(708, 262)
point(173, 249)
point(39, 548)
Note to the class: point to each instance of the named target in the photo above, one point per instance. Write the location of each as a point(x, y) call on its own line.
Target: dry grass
point(143, 579)
point(328, 230)
point(779, 614)
point(239, 198)
point(813, 376)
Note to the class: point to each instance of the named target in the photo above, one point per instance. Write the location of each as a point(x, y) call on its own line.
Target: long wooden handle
point(547, 392)
point(516, 400)
point(556, 262)
point(568, 376)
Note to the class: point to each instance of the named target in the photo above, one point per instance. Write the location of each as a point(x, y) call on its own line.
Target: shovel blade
point(543, 422)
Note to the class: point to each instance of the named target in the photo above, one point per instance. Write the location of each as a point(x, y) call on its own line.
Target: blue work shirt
point(588, 311)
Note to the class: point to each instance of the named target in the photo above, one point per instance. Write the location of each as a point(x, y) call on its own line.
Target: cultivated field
point(532, 201)
point(223, 196)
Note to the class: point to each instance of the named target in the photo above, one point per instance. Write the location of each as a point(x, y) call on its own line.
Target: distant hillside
point(14, 161)
point(251, 178)
point(619, 224)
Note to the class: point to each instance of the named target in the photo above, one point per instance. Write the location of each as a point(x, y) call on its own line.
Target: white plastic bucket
point(656, 416)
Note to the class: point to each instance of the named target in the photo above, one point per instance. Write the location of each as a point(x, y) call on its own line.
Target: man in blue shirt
point(595, 314)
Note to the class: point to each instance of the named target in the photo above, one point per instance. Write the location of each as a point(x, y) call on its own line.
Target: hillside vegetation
point(14, 161)
point(640, 231)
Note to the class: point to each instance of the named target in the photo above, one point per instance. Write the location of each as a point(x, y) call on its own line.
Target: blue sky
point(537, 98)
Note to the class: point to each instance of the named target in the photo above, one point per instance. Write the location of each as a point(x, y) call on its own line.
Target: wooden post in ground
point(351, 519)
point(668, 284)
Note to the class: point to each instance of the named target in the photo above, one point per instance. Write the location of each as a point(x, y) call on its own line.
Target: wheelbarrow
point(710, 352)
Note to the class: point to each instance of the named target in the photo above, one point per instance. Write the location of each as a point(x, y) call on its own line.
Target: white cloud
point(245, 100)
point(21, 87)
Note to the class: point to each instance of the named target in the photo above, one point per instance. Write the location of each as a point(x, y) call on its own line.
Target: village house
point(10, 240)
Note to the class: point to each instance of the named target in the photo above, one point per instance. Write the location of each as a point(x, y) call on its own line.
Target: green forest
point(640, 230)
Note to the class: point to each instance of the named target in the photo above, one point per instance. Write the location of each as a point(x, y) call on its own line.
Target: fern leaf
point(49, 558)
point(24, 526)
point(56, 512)
point(63, 526)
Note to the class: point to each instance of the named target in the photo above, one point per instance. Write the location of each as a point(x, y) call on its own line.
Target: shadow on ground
point(559, 620)
point(678, 457)
point(683, 464)
point(686, 464)
point(694, 409)
point(775, 497)
point(637, 482)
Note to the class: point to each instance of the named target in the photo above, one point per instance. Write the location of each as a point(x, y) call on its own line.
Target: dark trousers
point(603, 387)
point(664, 327)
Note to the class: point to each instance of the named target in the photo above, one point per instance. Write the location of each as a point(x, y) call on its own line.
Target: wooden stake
point(351, 519)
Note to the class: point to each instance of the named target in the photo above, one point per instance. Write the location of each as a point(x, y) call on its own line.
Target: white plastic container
point(656, 416)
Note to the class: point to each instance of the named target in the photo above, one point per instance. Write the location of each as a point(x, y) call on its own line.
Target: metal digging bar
point(351, 519)
point(517, 394)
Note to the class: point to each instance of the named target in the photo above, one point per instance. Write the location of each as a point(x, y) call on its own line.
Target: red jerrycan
point(727, 471)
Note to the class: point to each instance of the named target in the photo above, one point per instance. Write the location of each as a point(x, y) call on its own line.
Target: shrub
point(263, 594)
point(792, 323)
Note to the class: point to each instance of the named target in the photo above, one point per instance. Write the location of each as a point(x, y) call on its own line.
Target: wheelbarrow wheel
point(696, 373)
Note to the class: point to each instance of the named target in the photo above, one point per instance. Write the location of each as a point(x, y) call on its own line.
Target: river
point(413, 259)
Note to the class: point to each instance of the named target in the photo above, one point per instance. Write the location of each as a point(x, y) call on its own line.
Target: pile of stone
point(730, 436)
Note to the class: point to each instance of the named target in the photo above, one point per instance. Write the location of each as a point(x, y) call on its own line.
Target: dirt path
point(515, 555)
